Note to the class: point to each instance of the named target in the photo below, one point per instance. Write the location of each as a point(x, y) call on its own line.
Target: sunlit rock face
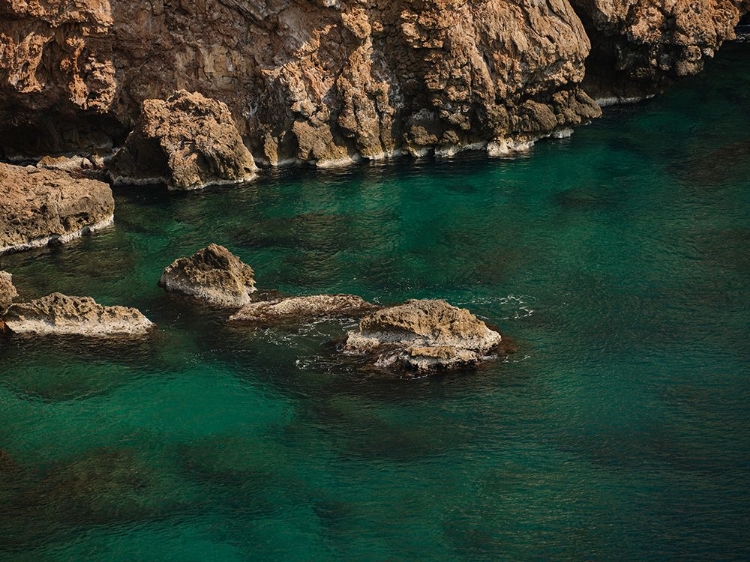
point(40, 206)
point(325, 82)
point(330, 81)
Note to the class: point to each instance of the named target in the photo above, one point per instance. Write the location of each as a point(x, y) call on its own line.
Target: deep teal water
point(617, 260)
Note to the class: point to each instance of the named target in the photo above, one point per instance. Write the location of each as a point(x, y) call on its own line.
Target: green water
point(617, 260)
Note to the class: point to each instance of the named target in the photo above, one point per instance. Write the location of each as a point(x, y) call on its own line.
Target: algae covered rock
point(40, 206)
point(65, 315)
point(213, 274)
point(423, 335)
point(188, 142)
point(302, 308)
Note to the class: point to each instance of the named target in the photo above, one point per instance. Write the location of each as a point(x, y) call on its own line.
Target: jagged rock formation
point(63, 315)
point(329, 81)
point(639, 47)
point(423, 335)
point(7, 291)
point(299, 309)
point(41, 206)
point(187, 142)
point(213, 274)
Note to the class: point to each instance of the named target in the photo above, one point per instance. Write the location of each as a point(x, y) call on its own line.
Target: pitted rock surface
point(298, 309)
point(65, 315)
point(38, 206)
point(423, 335)
point(188, 142)
point(213, 274)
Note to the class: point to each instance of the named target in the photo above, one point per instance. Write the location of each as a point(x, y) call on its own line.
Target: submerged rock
point(188, 142)
point(41, 206)
point(302, 308)
point(213, 274)
point(423, 335)
point(64, 315)
point(7, 291)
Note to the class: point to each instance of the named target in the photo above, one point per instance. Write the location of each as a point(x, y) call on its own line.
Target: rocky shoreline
point(329, 83)
point(138, 94)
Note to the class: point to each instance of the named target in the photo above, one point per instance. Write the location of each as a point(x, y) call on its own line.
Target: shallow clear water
point(617, 260)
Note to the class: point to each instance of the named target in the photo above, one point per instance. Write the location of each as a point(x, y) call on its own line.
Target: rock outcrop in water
point(300, 309)
point(187, 142)
point(41, 206)
point(329, 81)
point(7, 291)
point(64, 315)
point(213, 274)
point(423, 336)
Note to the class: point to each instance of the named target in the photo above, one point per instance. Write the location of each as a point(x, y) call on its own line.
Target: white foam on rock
point(618, 100)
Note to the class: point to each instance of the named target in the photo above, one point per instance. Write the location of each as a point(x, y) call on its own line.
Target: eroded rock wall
point(642, 46)
point(331, 80)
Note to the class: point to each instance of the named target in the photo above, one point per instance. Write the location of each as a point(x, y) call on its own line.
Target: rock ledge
point(43, 206)
point(302, 308)
point(64, 315)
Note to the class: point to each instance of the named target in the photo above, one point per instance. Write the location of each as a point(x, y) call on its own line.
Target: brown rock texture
point(213, 274)
point(329, 81)
point(324, 82)
point(7, 291)
point(188, 142)
point(64, 315)
point(40, 206)
point(641, 46)
point(297, 309)
point(423, 335)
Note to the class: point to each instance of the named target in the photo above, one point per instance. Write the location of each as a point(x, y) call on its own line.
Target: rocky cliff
point(639, 47)
point(331, 80)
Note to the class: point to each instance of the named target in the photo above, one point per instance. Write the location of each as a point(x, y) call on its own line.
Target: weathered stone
point(64, 315)
point(326, 82)
point(40, 206)
point(296, 309)
point(639, 46)
point(213, 274)
point(330, 81)
point(188, 142)
point(7, 291)
point(423, 335)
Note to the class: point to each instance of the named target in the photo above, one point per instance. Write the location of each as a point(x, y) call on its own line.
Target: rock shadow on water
point(584, 198)
point(63, 368)
point(358, 431)
point(714, 168)
point(308, 231)
point(104, 486)
point(244, 477)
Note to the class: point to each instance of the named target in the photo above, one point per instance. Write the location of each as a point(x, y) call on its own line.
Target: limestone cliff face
point(331, 80)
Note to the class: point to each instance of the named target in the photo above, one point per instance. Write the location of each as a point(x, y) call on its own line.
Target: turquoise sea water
point(617, 260)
